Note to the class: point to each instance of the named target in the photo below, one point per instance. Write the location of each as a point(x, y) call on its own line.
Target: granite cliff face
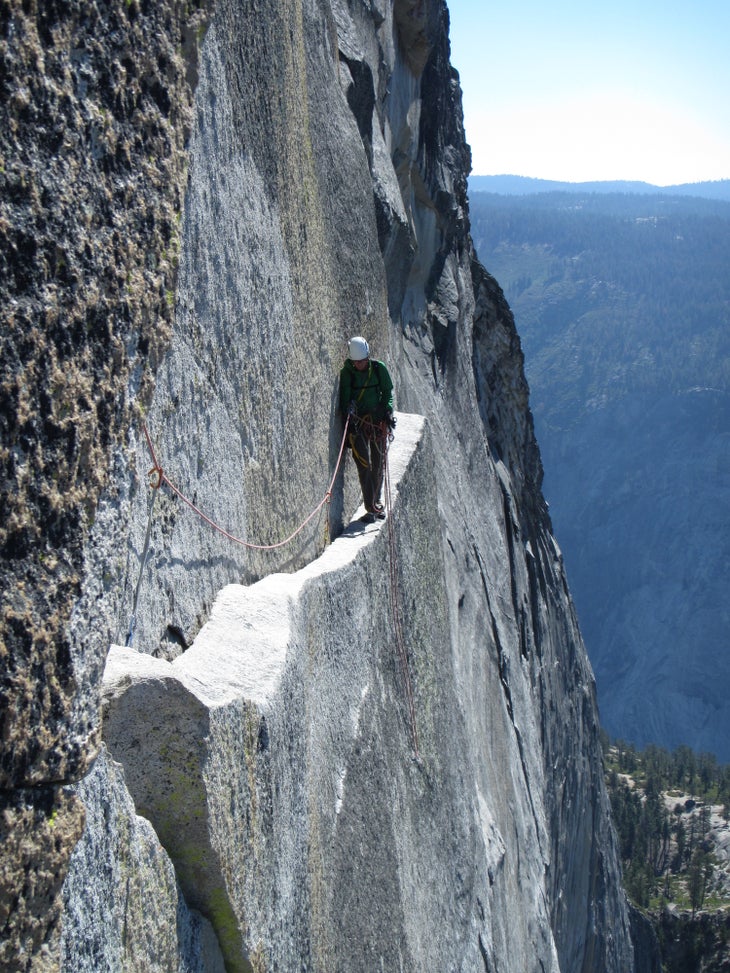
point(255, 802)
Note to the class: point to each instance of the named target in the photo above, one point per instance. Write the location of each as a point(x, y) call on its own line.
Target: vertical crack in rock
point(503, 665)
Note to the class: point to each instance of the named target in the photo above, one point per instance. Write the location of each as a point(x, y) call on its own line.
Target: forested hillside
point(671, 812)
point(623, 306)
point(646, 282)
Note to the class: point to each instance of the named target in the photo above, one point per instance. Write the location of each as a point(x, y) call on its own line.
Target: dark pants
point(368, 452)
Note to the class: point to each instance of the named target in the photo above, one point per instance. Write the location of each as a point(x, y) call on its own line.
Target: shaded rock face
point(38, 831)
point(694, 942)
point(326, 171)
point(122, 852)
point(94, 113)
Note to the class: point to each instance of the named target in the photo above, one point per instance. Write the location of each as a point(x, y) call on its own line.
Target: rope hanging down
point(162, 477)
point(158, 477)
point(395, 605)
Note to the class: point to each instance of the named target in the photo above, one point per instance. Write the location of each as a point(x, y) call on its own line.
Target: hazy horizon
point(517, 175)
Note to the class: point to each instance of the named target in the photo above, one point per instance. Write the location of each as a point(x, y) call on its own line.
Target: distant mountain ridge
point(507, 185)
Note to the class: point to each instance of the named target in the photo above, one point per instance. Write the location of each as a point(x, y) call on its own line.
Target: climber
point(366, 395)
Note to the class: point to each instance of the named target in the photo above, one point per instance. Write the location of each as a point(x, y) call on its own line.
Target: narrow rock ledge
point(175, 726)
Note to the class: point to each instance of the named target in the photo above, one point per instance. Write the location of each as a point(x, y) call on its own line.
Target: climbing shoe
point(368, 518)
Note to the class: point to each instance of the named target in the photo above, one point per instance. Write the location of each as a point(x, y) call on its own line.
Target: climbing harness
point(366, 429)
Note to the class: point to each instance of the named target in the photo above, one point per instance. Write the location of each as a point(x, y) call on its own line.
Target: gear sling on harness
point(366, 440)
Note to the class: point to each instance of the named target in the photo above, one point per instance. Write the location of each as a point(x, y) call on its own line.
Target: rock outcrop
point(255, 719)
point(123, 906)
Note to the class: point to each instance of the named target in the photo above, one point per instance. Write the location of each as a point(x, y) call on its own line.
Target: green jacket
point(371, 390)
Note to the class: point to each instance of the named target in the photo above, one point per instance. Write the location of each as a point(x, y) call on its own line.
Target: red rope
point(162, 477)
point(395, 605)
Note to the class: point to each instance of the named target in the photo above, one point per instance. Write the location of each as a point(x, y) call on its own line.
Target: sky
point(578, 91)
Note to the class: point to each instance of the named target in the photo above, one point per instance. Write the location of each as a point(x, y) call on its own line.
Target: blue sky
point(580, 91)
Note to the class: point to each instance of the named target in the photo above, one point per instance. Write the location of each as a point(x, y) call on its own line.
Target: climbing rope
point(162, 477)
point(158, 476)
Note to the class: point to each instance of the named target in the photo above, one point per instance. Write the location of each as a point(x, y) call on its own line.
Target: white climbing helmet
point(359, 349)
